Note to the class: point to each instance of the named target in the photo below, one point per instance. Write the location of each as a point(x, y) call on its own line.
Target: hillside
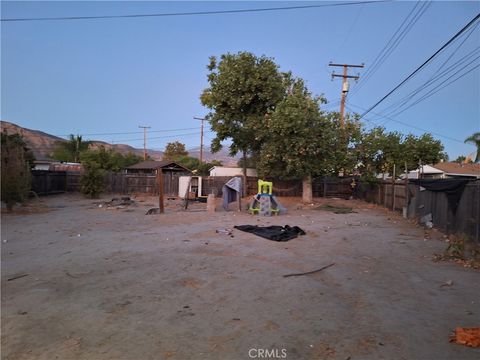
point(42, 145)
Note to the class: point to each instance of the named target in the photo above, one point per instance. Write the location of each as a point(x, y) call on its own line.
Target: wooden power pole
point(201, 138)
point(345, 87)
point(144, 140)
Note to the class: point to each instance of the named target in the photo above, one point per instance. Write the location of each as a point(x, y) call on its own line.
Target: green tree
point(174, 151)
point(109, 160)
point(462, 159)
point(70, 150)
point(93, 179)
point(17, 161)
point(300, 140)
point(381, 151)
point(424, 149)
point(194, 164)
point(475, 140)
point(243, 89)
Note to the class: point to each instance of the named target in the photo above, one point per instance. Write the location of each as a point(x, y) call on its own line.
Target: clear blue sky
point(111, 75)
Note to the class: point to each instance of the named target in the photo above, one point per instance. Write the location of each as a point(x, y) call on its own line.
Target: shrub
point(16, 175)
point(92, 180)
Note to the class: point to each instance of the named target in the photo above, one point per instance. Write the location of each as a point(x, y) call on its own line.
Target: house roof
point(427, 169)
point(460, 169)
point(152, 165)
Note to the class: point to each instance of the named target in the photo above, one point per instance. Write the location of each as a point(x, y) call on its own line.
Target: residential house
point(150, 168)
point(445, 170)
point(231, 171)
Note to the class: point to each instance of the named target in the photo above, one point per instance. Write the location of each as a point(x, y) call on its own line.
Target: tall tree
point(16, 161)
point(243, 89)
point(70, 150)
point(300, 140)
point(424, 149)
point(109, 160)
point(174, 151)
point(380, 151)
point(475, 140)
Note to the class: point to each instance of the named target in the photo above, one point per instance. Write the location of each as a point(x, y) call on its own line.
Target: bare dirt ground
point(116, 284)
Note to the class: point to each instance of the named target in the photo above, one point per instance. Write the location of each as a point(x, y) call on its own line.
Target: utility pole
point(345, 87)
point(144, 140)
point(201, 138)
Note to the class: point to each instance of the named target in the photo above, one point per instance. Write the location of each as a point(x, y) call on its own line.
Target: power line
point(437, 75)
point(393, 43)
point(397, 107)
point(423, 65)
point(194, 12)
point(404, 123)
point(108, 134)
point(438, 88)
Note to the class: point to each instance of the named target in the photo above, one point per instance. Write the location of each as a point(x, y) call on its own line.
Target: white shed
point(231, 171)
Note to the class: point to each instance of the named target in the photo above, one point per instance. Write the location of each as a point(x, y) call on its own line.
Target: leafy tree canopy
point(194, 164)
point(297, 137)
point(462, 159)
point(381, 150)
point(16, 161)
point(243, 89)
point(109, 160)
point(174, 151)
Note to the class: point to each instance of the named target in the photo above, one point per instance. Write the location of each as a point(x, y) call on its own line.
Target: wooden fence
point(48, 182)
point(394, 196)
point(418, 202)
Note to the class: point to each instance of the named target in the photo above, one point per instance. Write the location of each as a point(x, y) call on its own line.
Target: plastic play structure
point(264, 203)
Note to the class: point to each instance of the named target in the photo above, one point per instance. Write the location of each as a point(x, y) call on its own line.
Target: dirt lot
point(117, 284)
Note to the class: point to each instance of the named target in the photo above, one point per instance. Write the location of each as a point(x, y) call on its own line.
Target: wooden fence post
point(393, 188)
point(160, 190)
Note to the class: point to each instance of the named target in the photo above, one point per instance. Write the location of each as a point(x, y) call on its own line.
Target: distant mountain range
point(42, 145)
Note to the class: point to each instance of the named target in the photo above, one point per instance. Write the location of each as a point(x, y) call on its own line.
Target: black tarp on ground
point(453, 189)
point(275, 233)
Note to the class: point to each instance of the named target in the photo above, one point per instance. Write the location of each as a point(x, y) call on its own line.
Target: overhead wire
point(403, 123)
point(427, 95)
point(436, 76)
point(410, 20)
point(419, 68)
point(216, 12)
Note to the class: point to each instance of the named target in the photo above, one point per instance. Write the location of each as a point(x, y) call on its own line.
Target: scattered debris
point(336, 209)
point(225, 231)
point(462, 251)
point(447, 283)
point(466, 336)
point(17, 277)
point(76, 276)
point(427, 220)
point(116, 203)
point(153, 211)
point(309, 272)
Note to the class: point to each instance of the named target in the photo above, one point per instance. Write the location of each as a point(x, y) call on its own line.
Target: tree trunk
point(307, 193)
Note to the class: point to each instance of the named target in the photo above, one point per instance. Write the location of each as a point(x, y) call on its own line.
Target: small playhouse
point(265, 203)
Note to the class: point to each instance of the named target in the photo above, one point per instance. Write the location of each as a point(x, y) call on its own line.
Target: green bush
point(92, 180)
point(16, 176)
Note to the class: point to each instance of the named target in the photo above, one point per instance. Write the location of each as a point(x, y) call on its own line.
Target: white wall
point(231, 171)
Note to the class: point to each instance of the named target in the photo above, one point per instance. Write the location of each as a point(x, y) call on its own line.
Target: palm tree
point(75, 146)
point(475, 140)
point(70, 150)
